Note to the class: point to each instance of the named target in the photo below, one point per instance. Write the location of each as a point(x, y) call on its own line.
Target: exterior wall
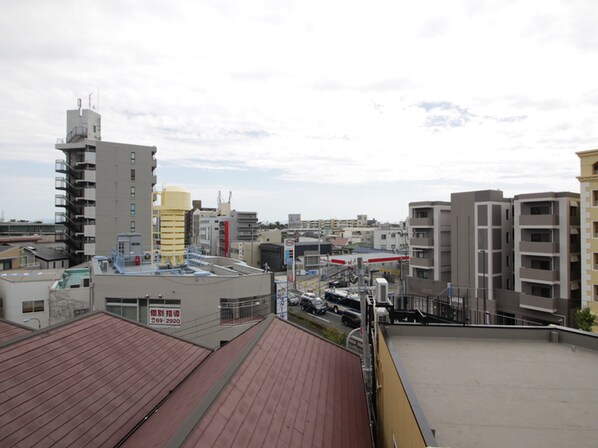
point(389, 239)
point(113, 193)
point(65, 304)
point(10, 258)
point(397, 424)
point(14, 293)
point(199, 299)
point(588, 180)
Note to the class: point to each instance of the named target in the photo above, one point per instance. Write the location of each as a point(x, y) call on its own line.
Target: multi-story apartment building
point(429, 229)
point(106, 188)
point(547, 254)
point(327, 225)
point(391, 237)
point(588, 180)
point(511, 260)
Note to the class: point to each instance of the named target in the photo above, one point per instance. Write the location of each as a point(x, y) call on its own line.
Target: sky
point(328, 109)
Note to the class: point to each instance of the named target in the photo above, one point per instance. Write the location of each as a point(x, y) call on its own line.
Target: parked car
point(351, 319)
point(338, 283)
point(292, 299)
point(312, 304)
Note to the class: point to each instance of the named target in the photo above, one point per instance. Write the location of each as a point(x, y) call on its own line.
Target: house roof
point(10, 330)
point(276, 385)
point(87, 382)
point(101, 380)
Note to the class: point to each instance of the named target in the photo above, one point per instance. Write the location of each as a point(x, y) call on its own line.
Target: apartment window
point(132, 226)
point(507, 260)
point(133, 174)
point(573, 211)
point(595, 259)
point(595, 168)
point(33, 306)
point(595, 229)
point(121, 247)
point(383, 236)
point(507, 214)
point(541, 291)
point(540, 210)
point(540, 237)
point(541, 264)
point(132, 192)
point(507, 236)
point(420, 214)
point(132, 209)
point(132, 158)
point(595, 293)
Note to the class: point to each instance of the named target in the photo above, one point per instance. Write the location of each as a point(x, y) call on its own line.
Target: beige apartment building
point(588, 180)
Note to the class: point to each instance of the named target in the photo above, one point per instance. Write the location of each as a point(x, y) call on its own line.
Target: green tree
point(585, 319)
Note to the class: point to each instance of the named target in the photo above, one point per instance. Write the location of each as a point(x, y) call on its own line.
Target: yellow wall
point(394, 412)
point(589, 214)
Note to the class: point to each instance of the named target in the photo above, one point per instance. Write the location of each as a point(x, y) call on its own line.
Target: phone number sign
point(160, 316)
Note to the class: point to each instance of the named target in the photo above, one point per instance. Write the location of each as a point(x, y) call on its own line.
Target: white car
point(292, 299)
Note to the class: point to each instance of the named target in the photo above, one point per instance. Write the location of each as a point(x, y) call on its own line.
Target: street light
point(39, 324)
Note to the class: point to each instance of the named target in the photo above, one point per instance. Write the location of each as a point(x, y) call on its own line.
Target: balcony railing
point(421, 262)
point(421, 242)
point(537, 247)
point(538, 303)
point(539, 275)
point(538, 220)
point(421, 222)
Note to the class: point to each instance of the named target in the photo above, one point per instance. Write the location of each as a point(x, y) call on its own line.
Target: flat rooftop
point(501, 388)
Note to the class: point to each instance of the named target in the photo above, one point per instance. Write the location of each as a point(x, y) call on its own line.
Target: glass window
point(133, 174)
point(133, 192)
point(132, 209)
point(33, 306)
point(132, 157)
point(132, 226)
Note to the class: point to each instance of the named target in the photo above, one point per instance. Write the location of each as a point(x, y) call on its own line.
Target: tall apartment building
point(105, 188)
point(588, 180)
point(429, 228)
point(547, 254)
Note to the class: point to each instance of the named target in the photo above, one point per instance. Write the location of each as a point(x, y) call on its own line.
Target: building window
point(595, 229)
point(121, 247)
point(132, 209)
point(595, 258)
point(541, 264)
point(33, 306)
point(132, 158)
point(573, 211)
point(507, 214)
point(595, 168)
point(132, 226)
point(541, 291)
point(133, 192)
point(239, 311)
point(507, 236)
point(133, 174)
point(507, 261)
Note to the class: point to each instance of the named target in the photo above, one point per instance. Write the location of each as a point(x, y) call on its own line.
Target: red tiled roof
point(276, 385)
point(9, 331)
point(88, 382)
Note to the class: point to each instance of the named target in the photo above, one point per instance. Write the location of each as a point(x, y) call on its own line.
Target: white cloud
point(320, 93)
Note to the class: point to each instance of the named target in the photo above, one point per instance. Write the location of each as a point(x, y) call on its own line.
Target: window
point(383, 236)
point(595, 257)
point(507, 214)
point(132, 209)
point(132, 226)
point(541, 264)
point(507, 260)
point(133, 192)
point(541, 291)
point(507, 236)
point(540, 210)
point(239, 311)
point(573, 211)
point(133, 174)
point(595, 168)
point(132, 158)
point(121, 247)
point(33, 306)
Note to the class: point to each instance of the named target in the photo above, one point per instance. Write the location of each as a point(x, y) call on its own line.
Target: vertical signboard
point(289, 259)
point(281, 299)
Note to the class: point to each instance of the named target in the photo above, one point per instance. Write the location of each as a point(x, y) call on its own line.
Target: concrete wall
point(199, 298)
point(113, 193)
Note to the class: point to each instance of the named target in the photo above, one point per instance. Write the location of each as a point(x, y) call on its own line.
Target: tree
point(585, 319)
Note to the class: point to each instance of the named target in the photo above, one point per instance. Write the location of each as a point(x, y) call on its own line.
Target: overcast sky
point(324, 108)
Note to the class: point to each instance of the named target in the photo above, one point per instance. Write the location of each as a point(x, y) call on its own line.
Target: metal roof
point(87, 382)
point(10, 330)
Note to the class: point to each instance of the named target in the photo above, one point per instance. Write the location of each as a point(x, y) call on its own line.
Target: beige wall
point(395, 417)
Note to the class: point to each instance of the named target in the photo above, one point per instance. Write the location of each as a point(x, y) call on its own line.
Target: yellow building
point(588, 180)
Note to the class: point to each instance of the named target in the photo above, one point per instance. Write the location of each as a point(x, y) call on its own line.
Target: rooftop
point(19, 276)
point(501, 386)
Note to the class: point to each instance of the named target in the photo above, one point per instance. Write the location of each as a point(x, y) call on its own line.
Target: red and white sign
point(164, 316)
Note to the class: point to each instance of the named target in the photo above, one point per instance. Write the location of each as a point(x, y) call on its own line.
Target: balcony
point(89, 249)
point(546, 304)
point(89, 230)
point(421, 262)
point(89, 212)
point(87, 158)
point(538, 248)
point(88, 176)
point(540, 275)
point(421, 242)
point(539, 220)
point(421, 222)
point(89, 194)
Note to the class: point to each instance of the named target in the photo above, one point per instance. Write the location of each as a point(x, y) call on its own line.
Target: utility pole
point(364, 322)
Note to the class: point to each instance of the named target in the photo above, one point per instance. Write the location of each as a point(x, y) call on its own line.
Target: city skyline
point(327, 110)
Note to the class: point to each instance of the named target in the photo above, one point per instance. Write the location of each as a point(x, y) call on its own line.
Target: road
point(329, 319)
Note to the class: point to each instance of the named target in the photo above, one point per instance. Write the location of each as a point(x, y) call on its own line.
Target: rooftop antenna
point(79, 106)
point(89, 96)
